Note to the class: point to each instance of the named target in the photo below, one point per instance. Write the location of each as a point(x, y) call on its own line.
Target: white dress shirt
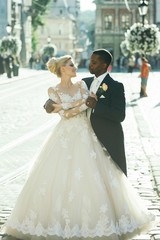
point(97, 82)
point(94, 87)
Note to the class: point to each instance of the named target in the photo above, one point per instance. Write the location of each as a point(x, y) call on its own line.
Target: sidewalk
point(142, 149)
point(142, 146)
point(23, 74)
point(147, 115)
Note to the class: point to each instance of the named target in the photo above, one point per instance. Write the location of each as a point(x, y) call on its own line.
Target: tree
point(38, 9)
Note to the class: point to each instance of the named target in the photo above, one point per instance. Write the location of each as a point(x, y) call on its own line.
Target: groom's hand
point(91, 102)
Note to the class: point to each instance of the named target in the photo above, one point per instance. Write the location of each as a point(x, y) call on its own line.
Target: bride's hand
point(57, 108)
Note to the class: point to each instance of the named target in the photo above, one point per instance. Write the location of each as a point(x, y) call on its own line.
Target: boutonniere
point(102, 89)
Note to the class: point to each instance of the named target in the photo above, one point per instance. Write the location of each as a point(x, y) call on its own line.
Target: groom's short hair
point(104, 55)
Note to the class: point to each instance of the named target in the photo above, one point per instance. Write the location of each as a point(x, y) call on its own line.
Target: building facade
point(60, 26)
point(113, 19)
point(15, 13)
point(157, 12)
point(5, 16)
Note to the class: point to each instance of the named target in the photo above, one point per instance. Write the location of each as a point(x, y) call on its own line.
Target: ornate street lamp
point(8, 29)
point(143, 8)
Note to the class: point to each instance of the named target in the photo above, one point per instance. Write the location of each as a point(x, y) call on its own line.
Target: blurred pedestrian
point(131, 63)
point(44, 59)
point(139, 61)
point(145, 68)
point(16, 64)
point(118, 64)
point(38, 62)
point(1, 65)
point(31, 61)
point(8, 64)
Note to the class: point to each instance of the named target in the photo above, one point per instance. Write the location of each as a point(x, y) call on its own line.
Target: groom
point(108, 112)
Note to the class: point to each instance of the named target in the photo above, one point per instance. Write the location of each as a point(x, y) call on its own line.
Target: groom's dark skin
point(96, 67)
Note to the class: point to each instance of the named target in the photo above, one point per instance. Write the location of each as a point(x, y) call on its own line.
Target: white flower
point(93, 155)
point(103, 208)
point(10, 45)
point(78, 174)
point(142, 39)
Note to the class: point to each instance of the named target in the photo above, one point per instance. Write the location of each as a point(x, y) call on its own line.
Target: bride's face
point(70, 68)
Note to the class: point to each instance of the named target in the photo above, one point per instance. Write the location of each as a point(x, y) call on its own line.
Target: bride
point(74, 189)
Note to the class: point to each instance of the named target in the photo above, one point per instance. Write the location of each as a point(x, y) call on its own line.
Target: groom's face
point(97, 66)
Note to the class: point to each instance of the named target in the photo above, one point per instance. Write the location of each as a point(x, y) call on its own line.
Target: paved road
point(24, 125)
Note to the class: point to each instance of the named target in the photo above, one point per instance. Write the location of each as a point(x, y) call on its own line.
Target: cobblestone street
point(24, 125)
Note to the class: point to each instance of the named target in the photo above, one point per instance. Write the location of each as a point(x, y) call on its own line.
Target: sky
point(87, 5)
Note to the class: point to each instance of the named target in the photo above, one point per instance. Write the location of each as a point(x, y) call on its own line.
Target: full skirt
point(74, 190)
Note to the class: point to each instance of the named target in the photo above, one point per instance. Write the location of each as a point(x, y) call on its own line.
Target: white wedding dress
point(74, 190)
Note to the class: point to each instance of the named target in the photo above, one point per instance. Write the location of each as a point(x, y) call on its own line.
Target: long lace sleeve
point(53, 95)
point(84, 90)
point(77, 106)
point(69, 105)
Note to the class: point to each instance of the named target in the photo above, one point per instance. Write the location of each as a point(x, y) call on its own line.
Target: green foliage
point(34, 40)
point(38, 9)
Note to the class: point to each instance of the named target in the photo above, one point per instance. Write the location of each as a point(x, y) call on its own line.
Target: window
point(125, 22)
point(108, 21)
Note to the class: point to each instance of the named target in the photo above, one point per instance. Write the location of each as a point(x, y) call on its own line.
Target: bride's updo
point(54, 64)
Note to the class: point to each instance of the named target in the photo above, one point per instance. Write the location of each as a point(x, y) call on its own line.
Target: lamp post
point(143, 8)
point(49, 40)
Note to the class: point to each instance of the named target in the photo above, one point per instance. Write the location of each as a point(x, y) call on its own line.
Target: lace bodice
point(71, 105)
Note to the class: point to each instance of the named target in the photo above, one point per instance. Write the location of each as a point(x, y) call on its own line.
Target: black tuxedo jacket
point(107, 117)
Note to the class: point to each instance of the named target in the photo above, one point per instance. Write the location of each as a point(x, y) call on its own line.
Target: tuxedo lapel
point(105, 80)
point(90, 82)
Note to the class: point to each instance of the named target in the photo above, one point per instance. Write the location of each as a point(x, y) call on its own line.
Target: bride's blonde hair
point(54, 64)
